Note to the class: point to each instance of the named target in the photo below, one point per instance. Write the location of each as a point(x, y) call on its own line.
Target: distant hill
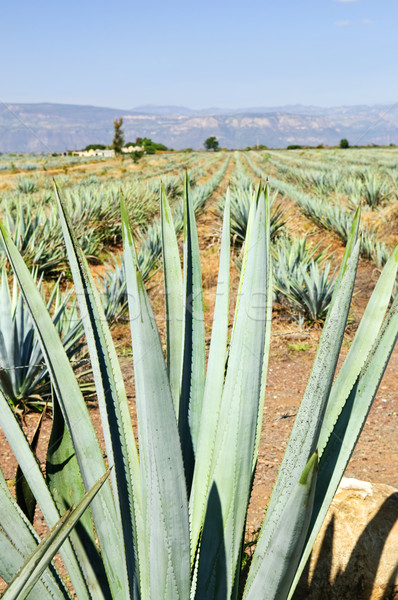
point(59, 127)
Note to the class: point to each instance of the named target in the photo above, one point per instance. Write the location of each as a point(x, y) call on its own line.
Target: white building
point(108, 153)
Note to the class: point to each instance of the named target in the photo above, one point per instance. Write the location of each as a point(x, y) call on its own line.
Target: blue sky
point(231, 53)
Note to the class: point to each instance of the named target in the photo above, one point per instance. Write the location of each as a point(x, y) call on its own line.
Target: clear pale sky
point(223, 53)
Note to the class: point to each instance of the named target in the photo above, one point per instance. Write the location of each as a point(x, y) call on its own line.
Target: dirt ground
point(292, 352)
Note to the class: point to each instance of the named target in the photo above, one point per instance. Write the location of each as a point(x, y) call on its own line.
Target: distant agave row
point(94, 211)
point(330, 216)
point(354, 159)
point(359, 184)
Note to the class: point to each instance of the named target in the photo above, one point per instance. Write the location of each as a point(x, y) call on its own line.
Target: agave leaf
point(35, 479)
point(349, 249)
point(18, 540)
point(364, 339)
point(77, 418)
point(164, 494)
point(341, 439)
point(194, 360)
point(25, 579)
point(268, 317)
point(112, 399)
point(7, 374)
point(174, 299)
point(213, 388)
point(247, 245)
point(305, 433)
point(66, 486)
point(278, 566)
point(231, 469)
point(23, 494)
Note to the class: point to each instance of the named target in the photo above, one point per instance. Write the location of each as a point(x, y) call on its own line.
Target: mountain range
point(47, 127)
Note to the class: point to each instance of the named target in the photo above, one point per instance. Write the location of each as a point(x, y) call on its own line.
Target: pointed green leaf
point(27, 576)
point(364, 339)
point(348, 426)
point(231, 472)
point(164, 495)
point(194, 361)
point(66, 486)
point(25, 458)
point(305, 433)
point(18, 540)
point(278, 565)
point(76, 416)
point(213, 388)
point(115, 415)
point(268, 317)
point(174, 299)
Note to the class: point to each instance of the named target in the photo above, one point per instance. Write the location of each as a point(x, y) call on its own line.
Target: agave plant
point(37, 236)
point(26, 186)
point(172, 523)
point(302, 278)
point(309, 289)
point(372, 248)
point(112, 284)
point(374, 189)
point(24, 376)
point(240, 208)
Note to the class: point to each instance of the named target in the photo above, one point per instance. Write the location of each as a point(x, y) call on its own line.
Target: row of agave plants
point(22, 163)
point(329, 216)
point(36, 230)
point(93, 206)
point(323, 158)
point(36, 163)
point(359, 185)
point(151, 167)
point(167, 519)
point(24, 375)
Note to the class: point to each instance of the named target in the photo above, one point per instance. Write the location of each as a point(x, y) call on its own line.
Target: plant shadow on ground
point(348, 583)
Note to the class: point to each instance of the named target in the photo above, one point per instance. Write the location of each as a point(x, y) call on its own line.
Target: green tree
point(211, 143)
point(118, 139)
point(95, 147)
point(344, 143)
point(151, 147)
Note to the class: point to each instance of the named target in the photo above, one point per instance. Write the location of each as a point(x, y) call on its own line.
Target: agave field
point(291, 249)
